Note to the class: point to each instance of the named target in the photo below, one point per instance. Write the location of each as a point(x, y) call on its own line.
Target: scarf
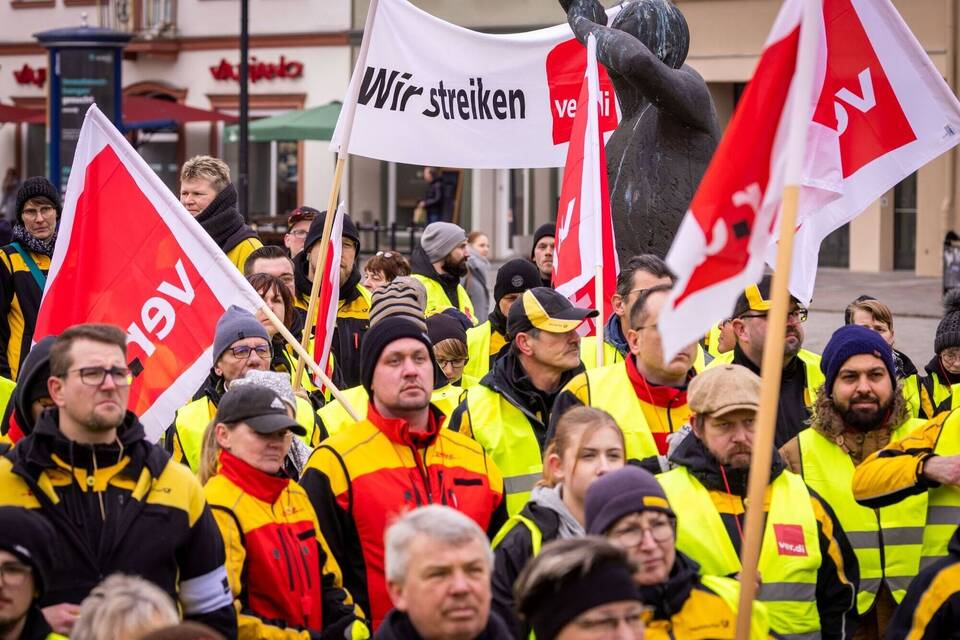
point(223, 221)
point(552, 498)
point(34, 244)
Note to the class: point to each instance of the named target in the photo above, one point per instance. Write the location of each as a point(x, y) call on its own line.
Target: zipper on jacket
point(424, 473)
point(286, 557)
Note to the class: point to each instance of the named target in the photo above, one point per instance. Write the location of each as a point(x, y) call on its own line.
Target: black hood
point(301, 267)
point(397, 626)
point(498, 322)
point(668, 598)
point(694, 456)
point(222, 220)
point(31, 384)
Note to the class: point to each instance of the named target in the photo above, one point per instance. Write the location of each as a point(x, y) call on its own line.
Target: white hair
point(124, 606)
point(439, 523)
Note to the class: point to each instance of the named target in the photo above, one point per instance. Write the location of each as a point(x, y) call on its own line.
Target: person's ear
point(223, 436)
point(739, 328)
point(395, 590)
point(633, 341)
point(554, 467)
point(55, 388)
point(523, 341)
point(616, 303)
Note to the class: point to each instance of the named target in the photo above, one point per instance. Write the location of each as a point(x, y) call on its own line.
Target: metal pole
point(243, 182)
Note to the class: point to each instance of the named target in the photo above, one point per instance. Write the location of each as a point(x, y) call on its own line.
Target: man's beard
point(458, 269)
point(866, 419)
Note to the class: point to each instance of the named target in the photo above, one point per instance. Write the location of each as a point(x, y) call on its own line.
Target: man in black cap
point(27, 545)
point(485, 341)
point(508, 412)
point(398, 458)
point(801, 377)
point(544, 244)
point(353, 310)
point(23, 270)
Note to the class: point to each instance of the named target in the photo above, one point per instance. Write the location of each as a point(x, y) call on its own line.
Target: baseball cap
point(259, 407)
point(717, 391)
point(756, 298)
point(545, 309)
point(300, 214)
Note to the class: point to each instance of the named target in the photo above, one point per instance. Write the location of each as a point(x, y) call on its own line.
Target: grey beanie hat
point(440, 238)
point(402, 296)
point(276, 381)
point(236, 324)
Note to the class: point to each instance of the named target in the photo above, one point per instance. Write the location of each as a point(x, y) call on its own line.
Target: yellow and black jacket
point(484, 343)
point(19, 304)
point(353, 320)
point(931, 608)
point(896, 472)
point(361, 478)
point(808, 547)
point(124, 507)
point(444, 291)
point(285, 583)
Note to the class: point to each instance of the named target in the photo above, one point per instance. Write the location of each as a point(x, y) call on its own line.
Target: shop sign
point(259, 70)
point(30, 75)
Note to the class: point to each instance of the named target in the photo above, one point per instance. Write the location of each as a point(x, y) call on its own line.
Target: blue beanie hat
point(853, 340)
point(236, 324)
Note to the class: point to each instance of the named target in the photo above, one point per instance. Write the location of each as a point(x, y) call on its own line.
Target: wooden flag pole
point(593, 90)
point(304, 357)
point(350, 110)
point(601, 319)
point(771, 369)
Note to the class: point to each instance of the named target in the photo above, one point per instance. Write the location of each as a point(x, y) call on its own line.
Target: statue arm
point(592, 10)
point(680, 92)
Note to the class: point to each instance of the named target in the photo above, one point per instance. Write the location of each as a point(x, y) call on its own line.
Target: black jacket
point(512, 555)
point(397, 626)
point(931, 608)
point(148, 519)
point(353, 321)
point(420, 265)
point(792, 412)
point(836, 586)
point(222, 220)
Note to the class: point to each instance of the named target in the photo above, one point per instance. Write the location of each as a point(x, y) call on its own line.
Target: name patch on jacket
point(790, 541)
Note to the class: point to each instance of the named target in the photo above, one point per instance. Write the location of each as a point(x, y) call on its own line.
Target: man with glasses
point(630, 509)
point(298, 224)
point(23, 270)
point(645, 395)
point(26, 559)
point(240, 344)
point(116, 502)
point(808, 570)
point(801, 377)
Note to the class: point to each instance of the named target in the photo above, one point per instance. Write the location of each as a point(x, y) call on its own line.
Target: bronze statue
point(669, 130)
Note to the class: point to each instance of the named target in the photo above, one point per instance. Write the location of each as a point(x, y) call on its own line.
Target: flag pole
point(593, 135)
point(772, 364)
point(348, 114)
point(304, 357)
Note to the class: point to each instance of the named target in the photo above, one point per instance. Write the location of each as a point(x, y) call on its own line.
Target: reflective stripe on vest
point(507, 437)
point(192, 421)
point(943, 511)
point(892, 535)
point(789, 554)
point(437, 299)
point(729, 591)
point(588, 353)
point(536, 536)
point(612, 391)
point(478, 350)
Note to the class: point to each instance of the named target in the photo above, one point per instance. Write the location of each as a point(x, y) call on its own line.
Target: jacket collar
point(792, 368)
point(694, 456)
point(36, 628)
point(397, 626)
point(613, 334)
point(398, 429)
point(669, 597)
point(260, 485)
point(656, 394)
point(508, 378)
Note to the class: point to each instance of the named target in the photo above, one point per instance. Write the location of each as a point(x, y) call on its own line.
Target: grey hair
point(123, 607)
point(439, 523)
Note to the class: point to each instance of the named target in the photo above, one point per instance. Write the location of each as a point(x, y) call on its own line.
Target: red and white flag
point(130, 255)
point(877, 112)
point(584, 225)
point(328, 302)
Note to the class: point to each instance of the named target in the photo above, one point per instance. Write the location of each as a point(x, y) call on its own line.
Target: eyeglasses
point(634, 619)
point(299, 233)
point(951, 355)
point(462, 362)
point(263, 352)
point(14, 574)
point(798, 315)
point(633, 535)
point(44, 212)
point(95, 376)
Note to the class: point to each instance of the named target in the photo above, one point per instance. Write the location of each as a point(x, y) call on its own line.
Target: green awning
point(316, 123)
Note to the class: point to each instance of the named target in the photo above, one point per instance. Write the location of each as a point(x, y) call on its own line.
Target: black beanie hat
point(315, 232)
point(853, 340)
point(37, 187)
point(29, 536)
point(515, 276)
point(388, 330)
point(948, 331)
point(620, 493)
point(442, 327)
point(548, 230)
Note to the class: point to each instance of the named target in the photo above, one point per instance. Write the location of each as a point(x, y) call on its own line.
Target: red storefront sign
point(30, 75)
point(259, 70)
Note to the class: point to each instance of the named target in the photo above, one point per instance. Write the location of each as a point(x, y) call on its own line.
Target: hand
point(942, 469)
point(62, 616)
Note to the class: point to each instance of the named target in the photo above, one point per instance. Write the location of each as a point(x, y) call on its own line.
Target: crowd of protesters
point(485, 477)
